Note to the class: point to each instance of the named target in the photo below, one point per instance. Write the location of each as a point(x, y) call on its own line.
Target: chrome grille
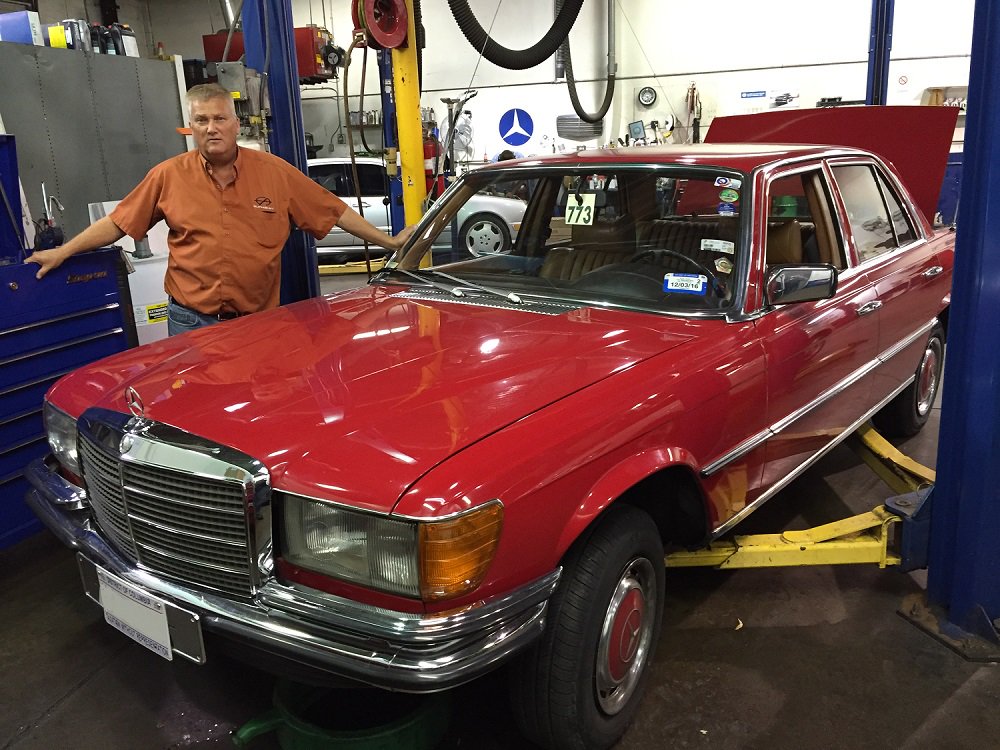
point(106, 496)
point(190, 528)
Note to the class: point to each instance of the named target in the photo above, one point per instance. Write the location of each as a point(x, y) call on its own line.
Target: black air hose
point(418, 27)
point(513, 59)
point(609, 91)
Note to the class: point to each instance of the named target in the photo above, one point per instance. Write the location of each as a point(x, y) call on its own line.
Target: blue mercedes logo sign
point(516, 127)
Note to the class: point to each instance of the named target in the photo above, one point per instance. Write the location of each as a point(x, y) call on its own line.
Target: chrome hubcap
point(484, 238)
point(928, 375)
point(625, 636)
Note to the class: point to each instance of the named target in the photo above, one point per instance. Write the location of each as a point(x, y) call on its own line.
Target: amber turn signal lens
point(455, 554)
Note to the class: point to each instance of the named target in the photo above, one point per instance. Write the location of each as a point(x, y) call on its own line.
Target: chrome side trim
point(787, 479)
point(835, 390)
point(892, 351)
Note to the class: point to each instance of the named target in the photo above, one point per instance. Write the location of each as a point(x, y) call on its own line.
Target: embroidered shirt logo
point(263, 203)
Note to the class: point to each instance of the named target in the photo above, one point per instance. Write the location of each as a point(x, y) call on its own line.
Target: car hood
point(354, 396)
point(920, 158)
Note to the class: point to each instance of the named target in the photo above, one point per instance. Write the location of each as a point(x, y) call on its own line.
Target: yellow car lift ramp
point(865, 538)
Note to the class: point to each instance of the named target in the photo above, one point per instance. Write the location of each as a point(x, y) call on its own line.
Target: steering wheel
point(718, 286)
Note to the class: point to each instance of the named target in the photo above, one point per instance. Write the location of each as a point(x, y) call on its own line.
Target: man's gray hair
point(205, 91)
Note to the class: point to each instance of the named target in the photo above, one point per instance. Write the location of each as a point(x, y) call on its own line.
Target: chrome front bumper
point(389, 649)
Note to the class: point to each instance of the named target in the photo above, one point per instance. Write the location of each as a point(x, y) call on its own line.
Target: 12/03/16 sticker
point(685, 283)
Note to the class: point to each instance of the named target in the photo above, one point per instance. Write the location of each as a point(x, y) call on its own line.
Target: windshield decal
point(718, 246)
point(685, 283)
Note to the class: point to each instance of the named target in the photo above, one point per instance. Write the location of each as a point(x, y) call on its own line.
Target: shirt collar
point(207, 166)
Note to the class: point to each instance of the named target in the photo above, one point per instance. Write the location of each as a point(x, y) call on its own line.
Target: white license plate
point(141, 617)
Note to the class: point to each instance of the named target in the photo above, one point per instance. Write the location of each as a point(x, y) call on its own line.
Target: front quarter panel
point(557, 469)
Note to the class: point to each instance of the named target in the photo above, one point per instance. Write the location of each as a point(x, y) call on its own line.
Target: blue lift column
point(879, 47)
point(964, 561)
point(389, 138)
point(269, 40)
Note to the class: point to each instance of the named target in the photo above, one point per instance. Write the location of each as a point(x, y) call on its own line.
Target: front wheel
point(486, 234)
point(906, 414)
point(580, 685)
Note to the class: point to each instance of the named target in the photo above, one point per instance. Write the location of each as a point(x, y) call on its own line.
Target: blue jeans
point(182, 319)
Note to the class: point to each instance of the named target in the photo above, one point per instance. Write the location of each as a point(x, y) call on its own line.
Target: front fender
point(619, 479)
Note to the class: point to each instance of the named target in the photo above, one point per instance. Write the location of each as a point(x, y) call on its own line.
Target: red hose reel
point(385, 21)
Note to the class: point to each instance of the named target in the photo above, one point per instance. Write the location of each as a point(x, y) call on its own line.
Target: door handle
point(931, 272)
point(869, 307)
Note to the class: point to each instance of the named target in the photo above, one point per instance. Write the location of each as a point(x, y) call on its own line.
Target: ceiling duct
point(572, 128)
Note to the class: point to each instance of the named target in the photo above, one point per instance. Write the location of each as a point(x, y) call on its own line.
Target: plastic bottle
point(123, 39)
point(97, 39)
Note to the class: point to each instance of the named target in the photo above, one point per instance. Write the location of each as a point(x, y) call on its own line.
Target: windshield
point(663, 239)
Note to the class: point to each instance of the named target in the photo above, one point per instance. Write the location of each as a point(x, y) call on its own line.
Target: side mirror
point(800, 283)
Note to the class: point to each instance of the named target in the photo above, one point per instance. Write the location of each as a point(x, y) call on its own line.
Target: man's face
point(214, 126)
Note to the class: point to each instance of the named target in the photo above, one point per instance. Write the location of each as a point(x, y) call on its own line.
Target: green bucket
point(785, 205)
point(315, 718)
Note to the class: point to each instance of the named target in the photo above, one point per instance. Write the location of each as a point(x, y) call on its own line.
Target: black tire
point(571, 691)
point(906, 414)
point(485, 234)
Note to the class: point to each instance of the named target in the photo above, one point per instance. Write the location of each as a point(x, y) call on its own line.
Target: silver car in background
point(487, 224)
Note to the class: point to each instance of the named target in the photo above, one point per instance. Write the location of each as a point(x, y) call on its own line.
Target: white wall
point(813, 49)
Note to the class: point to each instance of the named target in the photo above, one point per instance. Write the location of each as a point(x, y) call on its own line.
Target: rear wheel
point(486, 234)
point(580, 685)
point(906, 414)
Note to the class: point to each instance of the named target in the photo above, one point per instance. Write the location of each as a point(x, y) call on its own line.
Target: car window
point(651, 237)
point(900, 221)
point(800, 227)
point(373, 179)
point(867, 213)
point(331, 176)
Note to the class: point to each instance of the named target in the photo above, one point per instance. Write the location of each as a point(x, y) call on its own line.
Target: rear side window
point(877, 219)
point(372, 177)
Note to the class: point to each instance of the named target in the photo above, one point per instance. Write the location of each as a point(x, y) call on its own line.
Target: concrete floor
point(821, 660)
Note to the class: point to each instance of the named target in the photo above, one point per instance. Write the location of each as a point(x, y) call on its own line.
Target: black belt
point(223, 315)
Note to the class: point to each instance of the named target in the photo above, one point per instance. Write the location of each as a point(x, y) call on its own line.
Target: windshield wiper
point(509, 296)
point(453, 290)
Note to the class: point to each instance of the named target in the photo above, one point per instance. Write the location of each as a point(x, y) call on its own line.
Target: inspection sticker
point(685, 283)
point(727, 209)
point(718, 246)
point(728, 195)
point(728, 182)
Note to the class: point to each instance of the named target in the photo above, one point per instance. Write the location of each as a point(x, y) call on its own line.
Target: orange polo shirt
point(225, 244)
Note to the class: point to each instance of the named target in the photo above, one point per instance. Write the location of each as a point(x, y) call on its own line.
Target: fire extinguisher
point(432, 153)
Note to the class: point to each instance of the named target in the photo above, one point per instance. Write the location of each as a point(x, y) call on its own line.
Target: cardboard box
point(21, 26)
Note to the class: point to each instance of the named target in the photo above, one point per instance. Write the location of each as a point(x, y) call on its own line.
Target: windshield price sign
point(580, 209)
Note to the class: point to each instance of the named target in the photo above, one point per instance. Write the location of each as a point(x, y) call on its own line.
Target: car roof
point(321, 160)
point(743, 157)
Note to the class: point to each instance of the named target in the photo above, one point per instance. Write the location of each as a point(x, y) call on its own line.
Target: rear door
point(905, 266)
point(819, 354)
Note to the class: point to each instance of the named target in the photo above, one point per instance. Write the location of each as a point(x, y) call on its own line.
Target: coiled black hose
point(514, 59)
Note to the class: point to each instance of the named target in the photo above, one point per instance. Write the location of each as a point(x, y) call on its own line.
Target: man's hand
point(48, 260)
point(400, 239)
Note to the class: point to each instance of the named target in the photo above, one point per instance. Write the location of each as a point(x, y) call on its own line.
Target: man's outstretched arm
point(100, 233)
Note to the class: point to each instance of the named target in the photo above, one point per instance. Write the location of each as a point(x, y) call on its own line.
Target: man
point(229, 210)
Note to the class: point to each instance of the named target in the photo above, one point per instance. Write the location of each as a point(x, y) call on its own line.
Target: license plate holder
point(153, 622)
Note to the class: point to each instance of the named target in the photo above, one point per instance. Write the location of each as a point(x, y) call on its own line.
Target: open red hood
point(354, 397)
point(915, 139)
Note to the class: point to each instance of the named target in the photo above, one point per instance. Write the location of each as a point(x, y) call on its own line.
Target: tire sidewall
point(634, 535)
